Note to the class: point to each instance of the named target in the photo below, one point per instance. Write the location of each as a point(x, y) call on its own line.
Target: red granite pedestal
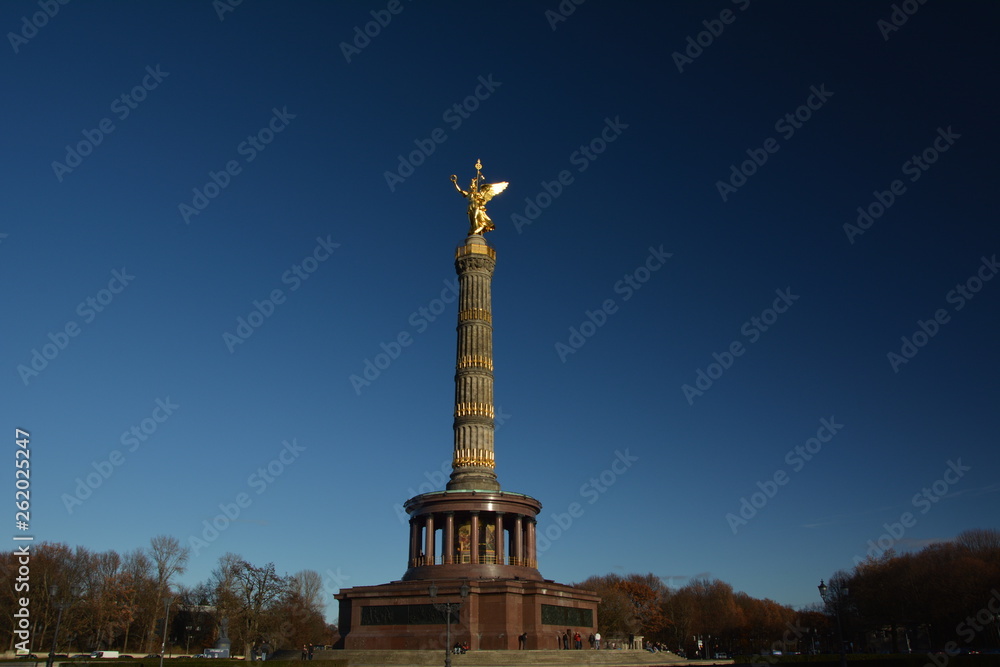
point(492, 617)
point(483, 539)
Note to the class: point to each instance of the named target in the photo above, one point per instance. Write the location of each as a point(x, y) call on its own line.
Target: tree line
point(947, 592)
point(111, 601)
point(705, 610)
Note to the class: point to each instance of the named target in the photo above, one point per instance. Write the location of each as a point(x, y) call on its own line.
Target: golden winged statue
point(478, 194)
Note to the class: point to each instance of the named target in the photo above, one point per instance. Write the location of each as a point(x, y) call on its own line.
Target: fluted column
point(474, 529)
point(531, 555)
point(518, 545)
point(429, 540)
point(414, 542)
point(448, 549)
point(473, 461)
point(499, 539)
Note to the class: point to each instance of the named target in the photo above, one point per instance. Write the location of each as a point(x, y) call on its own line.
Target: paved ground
point(512, 658)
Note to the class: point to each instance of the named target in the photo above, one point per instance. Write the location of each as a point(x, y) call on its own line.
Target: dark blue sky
point(168, 173)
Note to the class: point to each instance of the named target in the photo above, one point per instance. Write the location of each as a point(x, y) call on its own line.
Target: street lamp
point(824, 592)
point(447, 608)
point(187, 629)
point(53, 591)
point(166, 613)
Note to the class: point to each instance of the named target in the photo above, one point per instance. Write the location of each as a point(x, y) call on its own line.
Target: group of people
point(594, 640)
point(460, 648)
point(307, 652)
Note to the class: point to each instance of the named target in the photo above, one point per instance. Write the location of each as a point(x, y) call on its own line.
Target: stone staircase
point(606, 658)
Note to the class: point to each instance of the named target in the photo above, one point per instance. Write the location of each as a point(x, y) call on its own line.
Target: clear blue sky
point(250, 153)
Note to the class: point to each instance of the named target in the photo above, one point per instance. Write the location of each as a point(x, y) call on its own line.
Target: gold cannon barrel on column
point(473, 464)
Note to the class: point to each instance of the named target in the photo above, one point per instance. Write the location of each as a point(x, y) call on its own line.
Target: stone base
point(400, 616)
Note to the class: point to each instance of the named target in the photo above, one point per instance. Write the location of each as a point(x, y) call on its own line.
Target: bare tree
point(980, 541)
point(298, 619)
point(169, 559)
point(138, 588)
point(252, 590)
point(308, 585)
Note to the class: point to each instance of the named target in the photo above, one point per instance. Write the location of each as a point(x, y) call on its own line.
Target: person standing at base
point(597, 641)
point(566, 640)
point(522, 641)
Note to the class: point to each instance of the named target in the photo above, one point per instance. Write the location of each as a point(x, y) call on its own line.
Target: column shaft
point(449, 539)
point(429, 540)
point(532, 557)
point(473, 462)
point(474, 526)
point(517, 554)
point(414, 542)
point(499, 539)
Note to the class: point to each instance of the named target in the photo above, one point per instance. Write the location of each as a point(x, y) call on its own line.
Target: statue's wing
point(492, 190)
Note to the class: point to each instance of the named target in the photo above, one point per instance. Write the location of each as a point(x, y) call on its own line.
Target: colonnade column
point(449, 539)
point(414, 542)
point(474, 529)
point(532, 556)
point(499, 551)
point(429, 540)
point(517, 556)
